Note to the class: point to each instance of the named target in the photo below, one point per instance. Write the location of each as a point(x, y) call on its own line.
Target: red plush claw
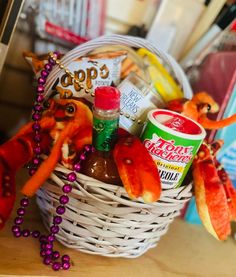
point(124, 158)
point(13, 155)
point(7, 193)
point(137, 169)
point(176, 105)
point(211, 199)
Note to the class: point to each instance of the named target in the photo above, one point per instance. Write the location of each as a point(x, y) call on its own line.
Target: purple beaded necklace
point(50, 257)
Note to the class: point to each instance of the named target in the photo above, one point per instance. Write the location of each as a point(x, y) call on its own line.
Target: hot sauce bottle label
point(104, 133)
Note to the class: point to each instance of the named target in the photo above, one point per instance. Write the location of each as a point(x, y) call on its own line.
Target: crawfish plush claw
point(215, 194)
point(137, 169)
point(13, 155)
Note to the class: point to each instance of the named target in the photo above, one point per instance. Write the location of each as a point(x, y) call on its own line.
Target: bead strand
point(37, 112)
point(46, 242)
point(36, 116)
point(50, 256)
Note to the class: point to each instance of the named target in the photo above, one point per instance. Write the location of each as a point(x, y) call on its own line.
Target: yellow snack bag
point(160, 77)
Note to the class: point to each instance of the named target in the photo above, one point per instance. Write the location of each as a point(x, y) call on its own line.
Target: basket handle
point(131, 41)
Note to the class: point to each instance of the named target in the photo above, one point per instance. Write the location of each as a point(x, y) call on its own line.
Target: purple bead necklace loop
point(49, 256)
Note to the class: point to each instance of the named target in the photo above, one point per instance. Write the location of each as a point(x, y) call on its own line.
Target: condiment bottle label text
point(104, 133)
point(134, 103)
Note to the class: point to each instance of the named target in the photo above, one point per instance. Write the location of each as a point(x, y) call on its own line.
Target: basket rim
point(124, 40)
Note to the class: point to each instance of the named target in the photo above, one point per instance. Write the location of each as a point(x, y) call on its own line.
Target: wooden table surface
point(186, 250)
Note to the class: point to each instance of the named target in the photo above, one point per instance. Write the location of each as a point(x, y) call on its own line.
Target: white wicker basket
point(100, 218)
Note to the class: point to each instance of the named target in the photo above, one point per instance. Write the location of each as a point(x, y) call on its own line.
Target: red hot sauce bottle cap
point(107, 98)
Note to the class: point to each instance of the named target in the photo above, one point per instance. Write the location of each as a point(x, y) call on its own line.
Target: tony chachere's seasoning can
point(172, 140)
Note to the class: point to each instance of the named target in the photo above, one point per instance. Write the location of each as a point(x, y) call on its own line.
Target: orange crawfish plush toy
point(66, 124)
point(214, 191)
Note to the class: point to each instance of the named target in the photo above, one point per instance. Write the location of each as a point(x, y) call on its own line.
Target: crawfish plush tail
point(211, 124)
point(13, 155)
point(44, 171)
point(211, 199)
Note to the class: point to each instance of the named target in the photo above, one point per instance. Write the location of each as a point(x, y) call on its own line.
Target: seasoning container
point(173, 141)
point(100, 163)
point(137, 98)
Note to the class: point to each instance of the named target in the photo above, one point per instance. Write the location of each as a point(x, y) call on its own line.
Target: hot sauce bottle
point(100, 163)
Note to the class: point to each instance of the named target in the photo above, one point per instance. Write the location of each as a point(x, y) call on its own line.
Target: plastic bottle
point(100, 163)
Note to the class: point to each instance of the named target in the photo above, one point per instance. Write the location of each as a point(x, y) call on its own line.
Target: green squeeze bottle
point(100, 163)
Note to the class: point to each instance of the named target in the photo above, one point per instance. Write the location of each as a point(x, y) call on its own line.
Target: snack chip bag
point(100, 69)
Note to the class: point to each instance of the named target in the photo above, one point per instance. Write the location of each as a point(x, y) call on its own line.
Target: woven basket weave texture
point(101, 219)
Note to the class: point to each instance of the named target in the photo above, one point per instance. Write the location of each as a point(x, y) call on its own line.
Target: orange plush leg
point(44, 171)
point(45, 123)
point(211, 124)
